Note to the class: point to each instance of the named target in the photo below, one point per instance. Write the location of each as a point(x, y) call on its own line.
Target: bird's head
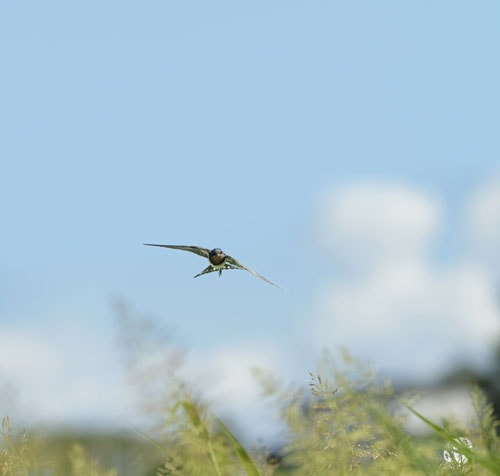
point(216, 256)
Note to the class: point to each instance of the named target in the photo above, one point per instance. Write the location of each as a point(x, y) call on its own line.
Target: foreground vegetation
point(345, 421)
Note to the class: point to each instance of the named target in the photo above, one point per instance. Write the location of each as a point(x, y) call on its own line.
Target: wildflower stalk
point(195, 418)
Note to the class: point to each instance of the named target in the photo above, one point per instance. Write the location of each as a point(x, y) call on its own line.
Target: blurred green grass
point(344, 420)
point(345, 423)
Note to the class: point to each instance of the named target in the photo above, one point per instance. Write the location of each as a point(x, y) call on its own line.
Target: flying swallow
point(217, 259)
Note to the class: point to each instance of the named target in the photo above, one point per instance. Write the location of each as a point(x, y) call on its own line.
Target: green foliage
point(17, 452)
point(484, 424)
point(82, 465)
point(246, 461)
point(346, 421)
point(348, 425)
point(462, 455)
point(22, 454)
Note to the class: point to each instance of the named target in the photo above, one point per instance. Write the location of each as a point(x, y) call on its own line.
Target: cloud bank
point(395, 305)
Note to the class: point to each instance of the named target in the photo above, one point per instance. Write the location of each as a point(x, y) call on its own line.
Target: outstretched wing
point(193, 249)
point(239, 265)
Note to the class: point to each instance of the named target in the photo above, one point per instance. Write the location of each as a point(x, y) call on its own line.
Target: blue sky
point(237, 125)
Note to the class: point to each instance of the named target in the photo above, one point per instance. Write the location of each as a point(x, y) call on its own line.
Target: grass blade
point(246, 461)
point(452, 439)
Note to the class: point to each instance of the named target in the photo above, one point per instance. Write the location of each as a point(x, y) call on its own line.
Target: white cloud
point(67, 374)
point(63, 375)
point(226, 377)
point(411, 320)
point(366, 224)
point(26, 356)
point(401, 312)
point(482, 223)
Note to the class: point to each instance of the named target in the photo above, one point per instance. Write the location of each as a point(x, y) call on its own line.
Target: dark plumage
point(217, 258)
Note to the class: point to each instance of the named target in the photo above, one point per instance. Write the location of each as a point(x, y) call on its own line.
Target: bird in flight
point(217, 259)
